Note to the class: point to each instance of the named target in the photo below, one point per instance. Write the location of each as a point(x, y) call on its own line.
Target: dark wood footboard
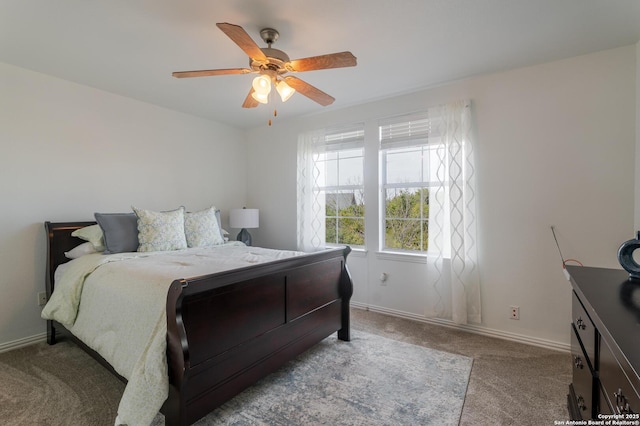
point(227, 330)
point(230, 329)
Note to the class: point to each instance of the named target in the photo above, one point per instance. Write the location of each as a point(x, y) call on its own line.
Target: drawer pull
point(580, 325)
point(577, 361)
point(622, 405)
point(581, 404)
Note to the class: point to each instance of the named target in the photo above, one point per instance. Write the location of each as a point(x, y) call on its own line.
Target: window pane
point(330, 171)
point(338, 201)
point(351, 205)
point(350, 171)
point(350, 212)
point(404, 165)
point(403, 234)
point(331, 234)
point(351, 231)
point(407, 234)
point(403, 203)
point(330, 205)
point(406, 219)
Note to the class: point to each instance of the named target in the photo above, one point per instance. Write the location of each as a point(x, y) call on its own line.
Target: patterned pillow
point(161, 231)
point(202, 229)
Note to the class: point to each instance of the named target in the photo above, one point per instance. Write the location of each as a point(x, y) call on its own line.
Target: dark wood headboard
point(59, 240)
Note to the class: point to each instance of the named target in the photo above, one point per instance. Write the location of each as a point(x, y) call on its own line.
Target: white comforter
point(116, 304)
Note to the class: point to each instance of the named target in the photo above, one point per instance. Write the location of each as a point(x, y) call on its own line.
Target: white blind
point(408, 130)
point(345, 137)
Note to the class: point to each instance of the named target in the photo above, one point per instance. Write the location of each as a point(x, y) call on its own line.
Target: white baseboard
point(477, 329)
point(26, 341)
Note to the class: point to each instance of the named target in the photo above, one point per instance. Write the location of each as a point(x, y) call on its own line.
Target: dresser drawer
point(615, 383)
point(586, 330)
point(582, 379)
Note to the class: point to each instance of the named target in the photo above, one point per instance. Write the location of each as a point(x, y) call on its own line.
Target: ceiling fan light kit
point(284, 90)
point(263, 98)
point(271, 65)
point(262, 84)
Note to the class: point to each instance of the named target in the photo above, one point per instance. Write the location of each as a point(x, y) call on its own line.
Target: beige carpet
point(56, 385)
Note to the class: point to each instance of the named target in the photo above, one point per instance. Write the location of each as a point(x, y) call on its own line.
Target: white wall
point(555, 147)
point(67, 151)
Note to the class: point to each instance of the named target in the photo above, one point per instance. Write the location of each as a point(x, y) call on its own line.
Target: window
point(340, 162)
point(408, 163)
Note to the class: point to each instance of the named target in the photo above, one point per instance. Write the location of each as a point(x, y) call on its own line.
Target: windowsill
point(398, 256)
point(402, 256)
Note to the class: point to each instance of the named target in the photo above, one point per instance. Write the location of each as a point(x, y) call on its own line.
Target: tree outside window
point(406, 219)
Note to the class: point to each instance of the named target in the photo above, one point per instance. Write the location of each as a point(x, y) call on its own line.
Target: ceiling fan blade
point(332, 60)
point(242, 39)
point(249, 102)
point(207, 73)
point(309, 91)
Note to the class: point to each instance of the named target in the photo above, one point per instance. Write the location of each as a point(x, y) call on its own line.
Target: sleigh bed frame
point(227, 330)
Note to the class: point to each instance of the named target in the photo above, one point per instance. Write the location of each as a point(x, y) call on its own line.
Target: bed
point(226, 330)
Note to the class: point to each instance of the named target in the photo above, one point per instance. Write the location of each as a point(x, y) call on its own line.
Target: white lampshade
point(244, 218)
point(262, 84)
point(262, 98)
point(284, 90)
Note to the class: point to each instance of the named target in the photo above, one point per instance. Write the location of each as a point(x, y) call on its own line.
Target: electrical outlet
point(42, 299)
point(383, 278)
point(514, 312)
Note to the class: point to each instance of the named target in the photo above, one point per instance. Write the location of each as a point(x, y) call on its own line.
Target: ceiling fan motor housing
point(276, 60)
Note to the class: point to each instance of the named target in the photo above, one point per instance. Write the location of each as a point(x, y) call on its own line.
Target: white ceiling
point(131, 47)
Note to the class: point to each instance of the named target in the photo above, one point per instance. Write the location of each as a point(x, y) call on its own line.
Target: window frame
point(339, 140)
point(409, 131)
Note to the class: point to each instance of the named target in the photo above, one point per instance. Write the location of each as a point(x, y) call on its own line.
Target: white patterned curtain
point(311, 203)
point(453, 283)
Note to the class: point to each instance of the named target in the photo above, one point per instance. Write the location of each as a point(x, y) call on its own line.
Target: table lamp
point(244, 218)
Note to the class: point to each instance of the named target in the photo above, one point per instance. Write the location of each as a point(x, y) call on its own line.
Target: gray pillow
point(120, 231)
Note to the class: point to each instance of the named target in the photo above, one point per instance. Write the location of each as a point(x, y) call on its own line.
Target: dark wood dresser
point(605, 344)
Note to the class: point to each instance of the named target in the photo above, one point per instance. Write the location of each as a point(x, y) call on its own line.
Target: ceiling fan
point(272, 67)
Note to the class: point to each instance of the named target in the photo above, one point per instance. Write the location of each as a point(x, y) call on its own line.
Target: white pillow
point(201, 228)
point(161, 231)
point(81, 250)
point(93, 234)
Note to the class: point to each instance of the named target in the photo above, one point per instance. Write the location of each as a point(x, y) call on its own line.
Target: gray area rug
point(371, 380)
